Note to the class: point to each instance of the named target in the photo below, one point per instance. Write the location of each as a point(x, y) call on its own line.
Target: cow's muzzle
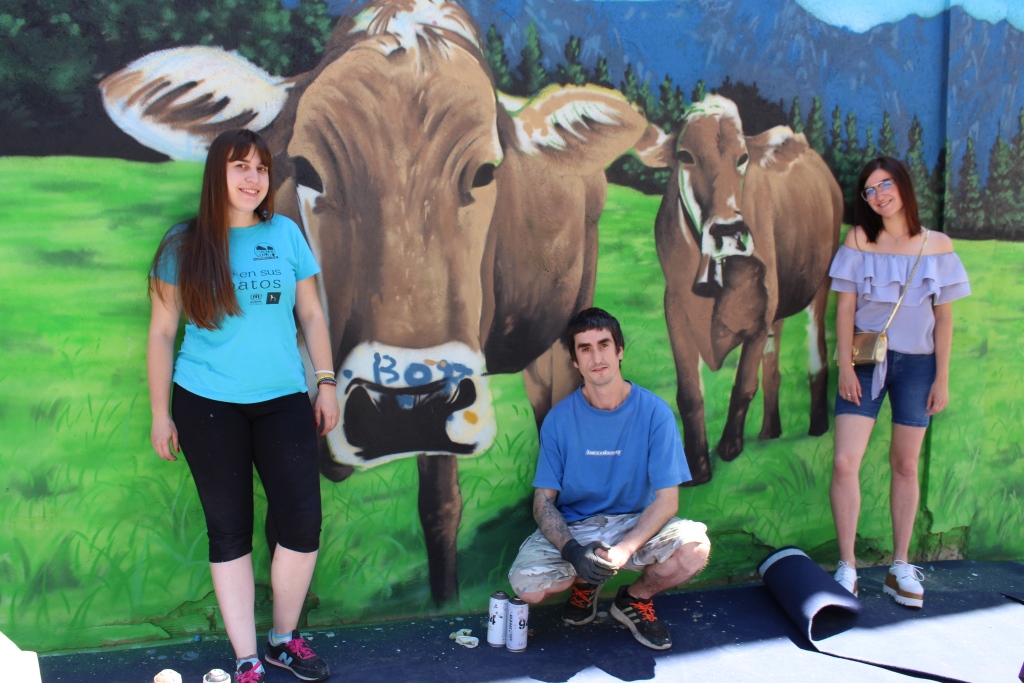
point(398, 402)
point(719, 242)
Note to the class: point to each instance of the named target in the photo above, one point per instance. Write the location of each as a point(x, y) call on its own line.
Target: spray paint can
point(497, 611)
point(518, 618)
point(217, 676)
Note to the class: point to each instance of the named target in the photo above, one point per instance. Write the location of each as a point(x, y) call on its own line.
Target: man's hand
point(616, 556)
point(588, 565)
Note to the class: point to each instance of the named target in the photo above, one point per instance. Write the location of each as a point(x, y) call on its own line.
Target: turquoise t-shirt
point(609, 461)
point(253, 356)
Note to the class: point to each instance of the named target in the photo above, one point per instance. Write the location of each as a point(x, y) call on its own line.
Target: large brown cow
point(456, 229)
point(745, 234)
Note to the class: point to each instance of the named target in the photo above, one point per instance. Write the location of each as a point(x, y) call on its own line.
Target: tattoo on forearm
point(551, 522)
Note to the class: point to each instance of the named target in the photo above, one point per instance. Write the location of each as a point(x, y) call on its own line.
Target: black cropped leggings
point(222, 441)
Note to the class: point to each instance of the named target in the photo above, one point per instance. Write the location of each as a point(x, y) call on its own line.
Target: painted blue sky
point(861, 15)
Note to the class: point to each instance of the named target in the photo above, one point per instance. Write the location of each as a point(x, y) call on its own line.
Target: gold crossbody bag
point(870, 347)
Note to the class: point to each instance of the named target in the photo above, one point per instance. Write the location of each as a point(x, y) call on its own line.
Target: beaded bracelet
point(324, 372)
point(327, 380)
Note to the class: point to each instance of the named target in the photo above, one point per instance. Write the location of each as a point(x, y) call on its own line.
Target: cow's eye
point(306, 175)
point(742, 161)
point(484, 175)
point(684, 157)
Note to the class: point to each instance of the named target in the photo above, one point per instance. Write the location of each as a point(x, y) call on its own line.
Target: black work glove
point(585, 561)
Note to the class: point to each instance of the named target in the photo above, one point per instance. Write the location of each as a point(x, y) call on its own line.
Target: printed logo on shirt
point(263, 252)
point(257, 298)
point(593, 452)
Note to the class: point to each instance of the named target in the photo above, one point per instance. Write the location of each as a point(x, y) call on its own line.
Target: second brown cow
point(745, 234)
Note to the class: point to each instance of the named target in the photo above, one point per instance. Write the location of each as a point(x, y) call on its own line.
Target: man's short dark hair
point(593, 319)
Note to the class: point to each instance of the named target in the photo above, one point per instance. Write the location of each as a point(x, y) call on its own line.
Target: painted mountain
point(905, 68)
point(960, 76)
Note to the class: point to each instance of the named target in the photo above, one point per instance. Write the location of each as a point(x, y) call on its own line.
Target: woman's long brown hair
point(201, 249)
point(866, 217)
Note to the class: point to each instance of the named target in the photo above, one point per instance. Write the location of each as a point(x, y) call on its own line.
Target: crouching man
point(607, 481)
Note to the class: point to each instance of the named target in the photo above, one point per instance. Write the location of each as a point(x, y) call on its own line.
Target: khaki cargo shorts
point(539, 565)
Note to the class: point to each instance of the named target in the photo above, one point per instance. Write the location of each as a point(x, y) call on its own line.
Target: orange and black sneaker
point(638, 617)
point(582, 604)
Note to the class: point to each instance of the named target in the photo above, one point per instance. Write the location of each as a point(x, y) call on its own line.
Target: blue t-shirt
point(253, 356)
point(609, 461)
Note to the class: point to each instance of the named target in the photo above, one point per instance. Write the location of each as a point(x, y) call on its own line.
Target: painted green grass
point(103, 542)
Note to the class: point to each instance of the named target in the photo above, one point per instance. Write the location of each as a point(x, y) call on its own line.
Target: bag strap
point(907, 285)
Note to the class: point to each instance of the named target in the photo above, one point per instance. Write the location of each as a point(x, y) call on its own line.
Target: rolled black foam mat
point(968, 630)
point(818, 605)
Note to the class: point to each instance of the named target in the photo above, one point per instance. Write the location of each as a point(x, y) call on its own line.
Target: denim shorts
point(908, 381)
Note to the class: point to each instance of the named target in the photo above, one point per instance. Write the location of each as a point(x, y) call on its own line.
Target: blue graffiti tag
point(379, 369)
point(453, 371)
point(418, 374)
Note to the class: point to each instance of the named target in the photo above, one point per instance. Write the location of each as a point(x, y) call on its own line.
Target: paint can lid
point(499, 595)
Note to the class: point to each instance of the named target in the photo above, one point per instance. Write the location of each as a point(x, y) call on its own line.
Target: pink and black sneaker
point(250, 672)
point(296, 656)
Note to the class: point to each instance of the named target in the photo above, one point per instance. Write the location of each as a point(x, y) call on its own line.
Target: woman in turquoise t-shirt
point(242, 277)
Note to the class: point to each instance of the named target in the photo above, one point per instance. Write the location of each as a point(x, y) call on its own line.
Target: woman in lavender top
point(869, 272)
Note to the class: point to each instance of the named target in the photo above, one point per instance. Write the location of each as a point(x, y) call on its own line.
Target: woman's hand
point(164, 436)
point(163, 328)
point(318, 345)
point(326, 409)
point(938, 397)
point(849, 384)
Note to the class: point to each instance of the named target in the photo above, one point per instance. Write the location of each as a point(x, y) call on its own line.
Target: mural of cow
point(456, 228)
point(745, 232)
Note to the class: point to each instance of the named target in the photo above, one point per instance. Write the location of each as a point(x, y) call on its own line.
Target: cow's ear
point(511, 103)
point(176, 101)
point(656, 147)
point(776, 148)
point(579, 129)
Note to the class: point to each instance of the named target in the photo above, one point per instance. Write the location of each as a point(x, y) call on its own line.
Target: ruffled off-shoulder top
point(878, 278)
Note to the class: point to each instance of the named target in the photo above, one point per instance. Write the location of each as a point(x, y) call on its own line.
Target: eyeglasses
point(872, 191)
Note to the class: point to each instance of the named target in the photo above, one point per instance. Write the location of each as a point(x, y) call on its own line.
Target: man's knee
point(690, 558)
point(532, 598)
point(541, 595)
point(533, 591)
point(696, 554)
